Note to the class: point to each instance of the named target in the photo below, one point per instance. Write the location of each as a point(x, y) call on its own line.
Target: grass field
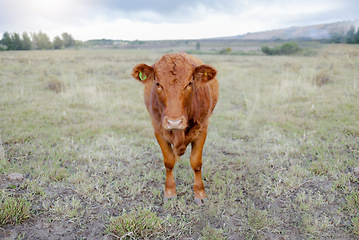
point(281, 160)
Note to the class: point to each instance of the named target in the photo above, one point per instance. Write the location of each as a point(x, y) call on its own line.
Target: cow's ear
point(204, 73)
point(143, 72)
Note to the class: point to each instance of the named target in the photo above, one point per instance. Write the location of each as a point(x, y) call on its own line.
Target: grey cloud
point(166, 11)
point(348, 10)
point(163, 6)
point(84, 12)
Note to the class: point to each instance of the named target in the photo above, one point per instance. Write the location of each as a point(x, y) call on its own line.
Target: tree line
point(292, 48)
point(38, 41)
point(350, 37)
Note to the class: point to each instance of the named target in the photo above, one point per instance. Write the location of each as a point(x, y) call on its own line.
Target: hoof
point(169, 199)
point(199, 201)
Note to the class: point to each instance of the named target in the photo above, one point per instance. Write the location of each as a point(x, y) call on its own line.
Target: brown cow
point(180, 95)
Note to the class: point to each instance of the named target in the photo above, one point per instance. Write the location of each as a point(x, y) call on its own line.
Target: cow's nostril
point(177, 123)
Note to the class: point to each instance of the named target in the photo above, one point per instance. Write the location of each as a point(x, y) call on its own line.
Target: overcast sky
point(167, 19)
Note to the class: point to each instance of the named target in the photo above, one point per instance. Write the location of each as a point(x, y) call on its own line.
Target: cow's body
point(180, 95)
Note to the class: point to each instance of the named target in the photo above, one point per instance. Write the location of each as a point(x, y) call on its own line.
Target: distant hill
point(250, 42)
point(321, 31)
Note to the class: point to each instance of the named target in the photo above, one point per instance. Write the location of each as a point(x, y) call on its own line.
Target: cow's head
point(174, 81)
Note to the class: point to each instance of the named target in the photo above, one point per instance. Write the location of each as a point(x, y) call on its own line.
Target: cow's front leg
point(196, 163)
point(169, 159)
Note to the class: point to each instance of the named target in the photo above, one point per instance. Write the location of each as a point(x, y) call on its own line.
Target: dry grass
point(278, 162)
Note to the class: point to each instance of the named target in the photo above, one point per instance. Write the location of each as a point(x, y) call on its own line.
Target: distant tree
point(57, 43)
point(7, 41)
point(357, 36)
point(266, 50)
point(16, 40)
point(26, 41)
point(350, 37)
point(198, 46)
point(68, 40)
point(41, 41)
point(337, 37)
point(78, 43)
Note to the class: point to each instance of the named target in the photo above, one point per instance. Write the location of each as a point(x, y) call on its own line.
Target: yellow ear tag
point(205, 74)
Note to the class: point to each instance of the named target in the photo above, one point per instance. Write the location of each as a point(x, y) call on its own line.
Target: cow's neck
point(179, 145)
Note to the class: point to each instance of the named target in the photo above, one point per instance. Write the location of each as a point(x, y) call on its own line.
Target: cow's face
point(174, 82)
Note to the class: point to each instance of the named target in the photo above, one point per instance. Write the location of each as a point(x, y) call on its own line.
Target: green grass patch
point(14, 210)
point(137, 224)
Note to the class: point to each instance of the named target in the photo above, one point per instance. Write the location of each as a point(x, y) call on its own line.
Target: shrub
point(55, 85)
point(321, 78)
point(225, 51)
point(289, 48)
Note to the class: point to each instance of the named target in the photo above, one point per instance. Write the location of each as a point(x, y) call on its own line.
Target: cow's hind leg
point(169, 160)
point(196, 163)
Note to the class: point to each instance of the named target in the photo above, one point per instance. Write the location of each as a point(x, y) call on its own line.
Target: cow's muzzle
point(174, 123)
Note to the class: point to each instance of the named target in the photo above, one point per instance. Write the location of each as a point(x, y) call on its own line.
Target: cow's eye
point(189, 85)
point(158, 86)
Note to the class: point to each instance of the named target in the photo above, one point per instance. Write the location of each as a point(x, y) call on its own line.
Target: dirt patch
point(40, 228)
point(44, 224)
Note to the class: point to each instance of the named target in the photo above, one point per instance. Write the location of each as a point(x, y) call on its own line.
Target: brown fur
point(179, 88)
